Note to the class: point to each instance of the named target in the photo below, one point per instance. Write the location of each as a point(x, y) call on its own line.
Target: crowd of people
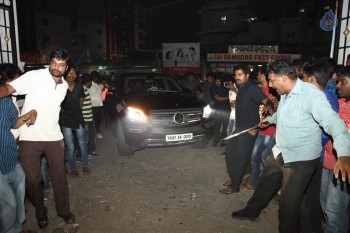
point(288, 124)
point(297, 144)
point(58, 119)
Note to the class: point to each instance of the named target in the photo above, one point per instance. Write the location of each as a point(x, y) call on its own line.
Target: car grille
point(175, 117)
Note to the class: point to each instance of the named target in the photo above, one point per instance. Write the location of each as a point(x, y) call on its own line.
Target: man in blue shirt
point(302, 110)
point(208, 98)
point(12, 178)
point(221, 114)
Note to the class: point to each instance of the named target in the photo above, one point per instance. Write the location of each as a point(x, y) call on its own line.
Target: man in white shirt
point(45, 89)
point(96, 100)
point(232, 95)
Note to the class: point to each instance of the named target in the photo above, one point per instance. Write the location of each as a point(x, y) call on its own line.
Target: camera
point(227, 84)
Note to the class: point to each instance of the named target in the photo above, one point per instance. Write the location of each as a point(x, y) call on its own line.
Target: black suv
point(152, 110)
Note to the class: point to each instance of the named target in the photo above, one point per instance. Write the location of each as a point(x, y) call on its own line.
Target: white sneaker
point(99, 135)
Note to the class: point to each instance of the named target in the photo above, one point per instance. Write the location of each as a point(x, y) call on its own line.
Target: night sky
point(178, 21)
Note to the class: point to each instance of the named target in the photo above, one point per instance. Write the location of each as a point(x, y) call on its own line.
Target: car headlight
point(135, 114)
point(207, 111)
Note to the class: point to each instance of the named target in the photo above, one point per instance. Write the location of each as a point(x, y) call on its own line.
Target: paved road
point(170, 190)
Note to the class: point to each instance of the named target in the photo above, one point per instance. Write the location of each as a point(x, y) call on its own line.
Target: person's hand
point(30, 117)
point(342, 166)
point(269, 107)
point(253, 132)
point(268, 110)
point(263, 124)
point(274, 101)
point(212, 103)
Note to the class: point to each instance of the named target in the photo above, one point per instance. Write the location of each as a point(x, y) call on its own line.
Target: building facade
point(293, 26)
point(68, 24)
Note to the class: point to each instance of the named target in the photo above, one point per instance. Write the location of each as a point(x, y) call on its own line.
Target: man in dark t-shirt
point(239, 149)
point(222, 110)
point(71, 119)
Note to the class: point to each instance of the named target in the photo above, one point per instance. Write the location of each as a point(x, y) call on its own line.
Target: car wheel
point(123, 148)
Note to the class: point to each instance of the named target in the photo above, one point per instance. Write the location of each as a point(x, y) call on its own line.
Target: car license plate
point(178, 137)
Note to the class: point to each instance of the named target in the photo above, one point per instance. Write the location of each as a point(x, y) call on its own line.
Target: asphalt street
point(157, 190)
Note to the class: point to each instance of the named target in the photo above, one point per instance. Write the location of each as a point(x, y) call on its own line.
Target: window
point(44, 3)
point(290, 36)
point(45, 22)
point(7, 45)
point(73, 8)
point(73, 41)
point(74, 25)
point(46, 39)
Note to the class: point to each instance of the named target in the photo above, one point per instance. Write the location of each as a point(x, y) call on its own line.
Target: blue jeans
point(231, 126)
point(221, 118)
point(262, 147)
point(69, 140)
point(90, 136)
point(334, 201)
point(12, 209)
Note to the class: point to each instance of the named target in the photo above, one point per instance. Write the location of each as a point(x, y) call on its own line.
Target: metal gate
point(8, 50)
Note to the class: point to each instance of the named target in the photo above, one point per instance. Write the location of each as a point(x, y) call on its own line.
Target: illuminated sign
point(246, 57)
point(253, 49)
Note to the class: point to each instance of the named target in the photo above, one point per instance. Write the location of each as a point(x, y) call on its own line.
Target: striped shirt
point(87, 106)
point(8, 145)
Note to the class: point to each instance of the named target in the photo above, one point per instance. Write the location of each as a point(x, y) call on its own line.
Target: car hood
point(159, 101)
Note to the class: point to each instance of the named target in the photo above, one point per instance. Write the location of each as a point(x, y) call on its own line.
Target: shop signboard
point(181, 57)
point(253, 49)
point(247, 57)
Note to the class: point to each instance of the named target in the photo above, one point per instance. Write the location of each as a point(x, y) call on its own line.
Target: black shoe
point(69, 219)
point(243, 215)
point(43, 221)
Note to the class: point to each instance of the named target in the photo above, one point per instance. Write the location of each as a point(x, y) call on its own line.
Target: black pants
point(238, 153)
point(311, 210)
point(30, 158)
point(294, 178)
point(97, 113)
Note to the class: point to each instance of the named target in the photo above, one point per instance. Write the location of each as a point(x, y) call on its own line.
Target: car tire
point(123, 148)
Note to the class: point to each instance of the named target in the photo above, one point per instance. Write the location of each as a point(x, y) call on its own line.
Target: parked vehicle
point(152, 110)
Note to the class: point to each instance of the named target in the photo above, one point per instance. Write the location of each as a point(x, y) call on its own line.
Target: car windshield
point(150, 83)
